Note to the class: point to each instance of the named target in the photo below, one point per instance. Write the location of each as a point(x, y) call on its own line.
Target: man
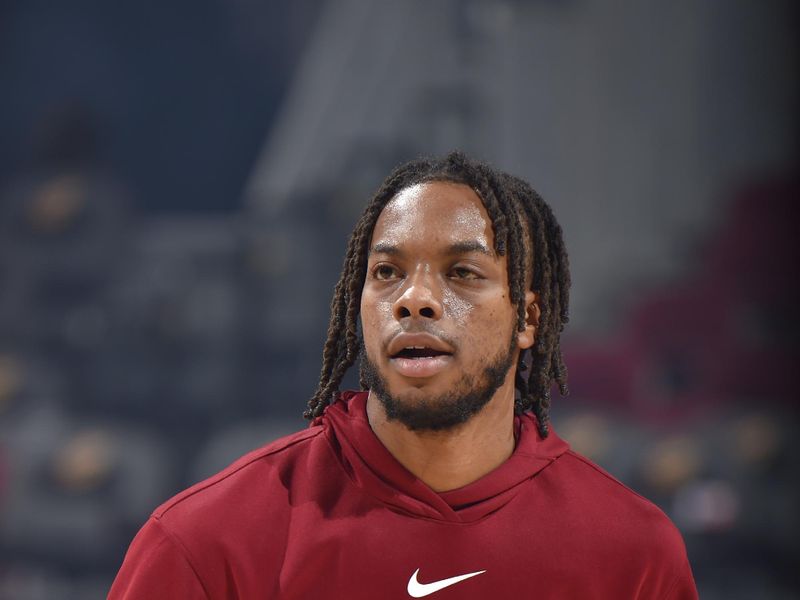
point(444, 479)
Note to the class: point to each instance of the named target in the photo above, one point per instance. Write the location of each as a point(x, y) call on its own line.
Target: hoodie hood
point(373, 468)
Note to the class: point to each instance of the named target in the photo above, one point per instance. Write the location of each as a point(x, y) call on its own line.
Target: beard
point(447, 410)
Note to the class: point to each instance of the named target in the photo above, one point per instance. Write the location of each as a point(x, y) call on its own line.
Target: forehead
point(434, 212)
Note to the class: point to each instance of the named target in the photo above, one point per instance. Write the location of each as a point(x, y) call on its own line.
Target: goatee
point(447, 410)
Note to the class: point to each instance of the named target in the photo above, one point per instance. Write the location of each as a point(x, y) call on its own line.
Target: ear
point(527, 336)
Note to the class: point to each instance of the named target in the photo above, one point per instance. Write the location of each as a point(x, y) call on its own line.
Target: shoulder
point(612, 508)
point(258, 480)
point(592, 509)
point(236, 521)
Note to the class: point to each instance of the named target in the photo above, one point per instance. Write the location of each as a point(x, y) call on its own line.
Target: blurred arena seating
point(725, 331)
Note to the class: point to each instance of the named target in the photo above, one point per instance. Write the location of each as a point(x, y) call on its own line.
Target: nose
point(419, 299)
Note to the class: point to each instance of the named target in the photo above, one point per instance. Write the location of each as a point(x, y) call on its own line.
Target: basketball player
point(443, 476)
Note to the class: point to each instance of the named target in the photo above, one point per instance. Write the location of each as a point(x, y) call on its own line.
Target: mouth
point(420, 361)
point(419, 353)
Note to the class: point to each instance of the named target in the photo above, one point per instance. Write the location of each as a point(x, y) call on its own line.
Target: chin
point(417, 388)
point(443, 401)
point(410, 397)
point(432, 413)
point(431, 407)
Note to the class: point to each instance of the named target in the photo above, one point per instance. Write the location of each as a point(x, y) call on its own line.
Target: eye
point(463, 273)
point(383, 272)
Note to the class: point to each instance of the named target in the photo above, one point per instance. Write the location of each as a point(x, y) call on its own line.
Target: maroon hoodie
point(329, 513)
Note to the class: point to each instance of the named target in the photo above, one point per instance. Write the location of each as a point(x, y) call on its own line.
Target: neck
point(447, 460)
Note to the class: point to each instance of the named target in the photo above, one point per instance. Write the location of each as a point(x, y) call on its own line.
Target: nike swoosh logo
point(420, 590)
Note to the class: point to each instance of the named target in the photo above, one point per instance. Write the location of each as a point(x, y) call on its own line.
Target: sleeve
point(155, 568)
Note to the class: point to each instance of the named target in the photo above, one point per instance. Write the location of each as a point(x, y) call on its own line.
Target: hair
point(525, 230)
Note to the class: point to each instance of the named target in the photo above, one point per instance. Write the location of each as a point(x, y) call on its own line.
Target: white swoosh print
point(420, 590)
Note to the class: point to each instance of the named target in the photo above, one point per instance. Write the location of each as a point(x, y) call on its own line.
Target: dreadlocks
point(524, 229)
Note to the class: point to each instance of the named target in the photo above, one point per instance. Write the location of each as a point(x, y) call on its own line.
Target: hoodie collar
point(373, 468)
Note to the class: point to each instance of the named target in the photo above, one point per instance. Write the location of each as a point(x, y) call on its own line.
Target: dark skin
point(434, 280)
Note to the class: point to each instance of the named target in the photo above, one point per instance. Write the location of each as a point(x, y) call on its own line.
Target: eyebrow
point(465, 247)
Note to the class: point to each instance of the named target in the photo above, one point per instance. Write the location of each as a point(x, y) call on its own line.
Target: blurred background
point(178, 180)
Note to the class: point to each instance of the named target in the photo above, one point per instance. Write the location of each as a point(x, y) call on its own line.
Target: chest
point(383, 554)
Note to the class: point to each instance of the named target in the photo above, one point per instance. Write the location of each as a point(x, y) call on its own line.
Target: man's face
point(438, 325)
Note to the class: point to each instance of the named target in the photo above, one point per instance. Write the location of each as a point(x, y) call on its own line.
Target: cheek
point(377, 314)
point(493, 321)
point(374, 317)
point(457, 308)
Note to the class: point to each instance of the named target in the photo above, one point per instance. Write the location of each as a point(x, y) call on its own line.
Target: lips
point(419, 354)
point(419, 344)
